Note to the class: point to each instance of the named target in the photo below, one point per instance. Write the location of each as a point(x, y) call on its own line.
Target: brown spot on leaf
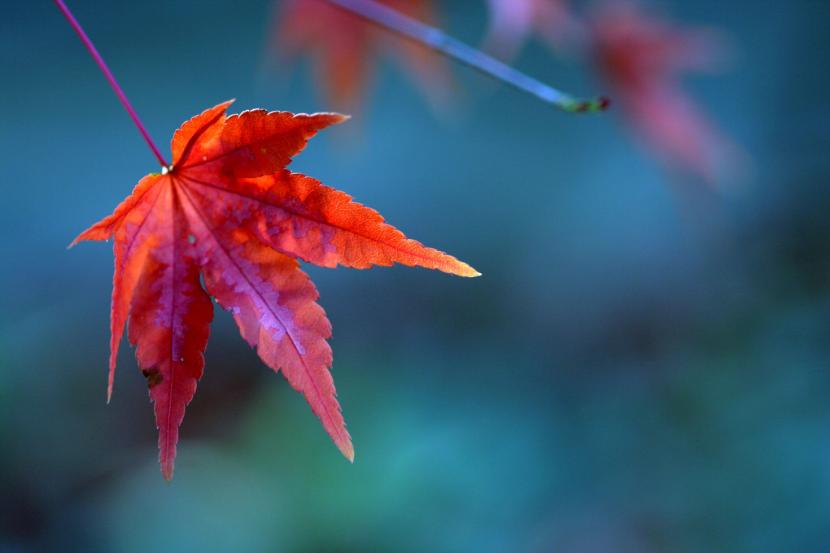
point(153, 377)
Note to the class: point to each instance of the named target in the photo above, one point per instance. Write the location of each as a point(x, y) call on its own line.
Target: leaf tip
point(344, 444)
point(167, 466)
point(347, 450)
point(338, 118)
point(111, 375)
point(463, 270)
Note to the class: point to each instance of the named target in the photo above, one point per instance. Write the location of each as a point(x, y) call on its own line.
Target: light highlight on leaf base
point(229, 212)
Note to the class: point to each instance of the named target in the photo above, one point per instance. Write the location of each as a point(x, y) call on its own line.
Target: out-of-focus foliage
point(345, 49)
point(512, 22)
point(642, 58)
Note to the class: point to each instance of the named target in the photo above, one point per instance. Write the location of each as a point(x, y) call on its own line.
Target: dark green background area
point(644, 366)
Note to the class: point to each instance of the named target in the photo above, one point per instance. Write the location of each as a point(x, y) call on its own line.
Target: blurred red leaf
point(513, 22)
point(642, 58)
point(344, 48)
point(228, 210)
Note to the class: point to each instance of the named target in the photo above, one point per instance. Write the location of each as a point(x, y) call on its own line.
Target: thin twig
point(440, 41)
point(111, 79)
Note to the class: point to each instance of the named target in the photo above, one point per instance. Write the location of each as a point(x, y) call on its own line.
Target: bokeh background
point(644, 366)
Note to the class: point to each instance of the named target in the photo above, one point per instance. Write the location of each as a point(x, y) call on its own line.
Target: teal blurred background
point(644, 366)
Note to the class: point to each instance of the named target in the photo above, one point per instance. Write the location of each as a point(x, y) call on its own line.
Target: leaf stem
point(443, 43)
point(111, 79)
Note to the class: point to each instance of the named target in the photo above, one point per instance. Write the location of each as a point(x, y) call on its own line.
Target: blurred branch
point(443, 43)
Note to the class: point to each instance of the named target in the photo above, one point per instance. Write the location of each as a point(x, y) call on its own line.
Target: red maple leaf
point(642, 58)
point(344, 46)
point(228, 210)
point(512, 22)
